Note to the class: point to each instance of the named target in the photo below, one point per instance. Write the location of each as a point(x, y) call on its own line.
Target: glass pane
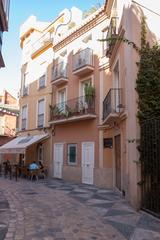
point(41, 107)
point(24, 112)
point(72, 154)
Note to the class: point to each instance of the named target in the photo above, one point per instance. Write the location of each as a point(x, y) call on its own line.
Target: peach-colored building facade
point(76, 140)
point(120, 97)
point(36, 40)
point(80, 102)
point(37, 54)
point(9, 111)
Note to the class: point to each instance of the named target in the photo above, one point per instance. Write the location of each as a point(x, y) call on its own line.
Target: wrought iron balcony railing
point(42, 42)
point(83, 105)
point(112, 103)
point(82, 59)
point(112, 35)
point(59, 71)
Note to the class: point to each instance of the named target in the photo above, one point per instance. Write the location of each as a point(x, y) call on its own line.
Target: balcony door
point(82, 92)
point(58, 160)
point(62, 100)
point(117, 141)
point(87, 162)
point(83, 85)
point(116, 95)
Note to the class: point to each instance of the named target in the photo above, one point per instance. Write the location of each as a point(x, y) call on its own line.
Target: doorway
point(117, 140)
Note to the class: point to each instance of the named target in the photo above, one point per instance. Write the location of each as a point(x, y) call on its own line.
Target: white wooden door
point(58, 160)
point(87, 162)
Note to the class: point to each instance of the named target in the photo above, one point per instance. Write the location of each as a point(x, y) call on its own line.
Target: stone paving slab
point(4, 215)
point(58, 210)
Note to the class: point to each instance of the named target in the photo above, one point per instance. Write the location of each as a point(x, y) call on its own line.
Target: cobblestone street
point(58, 210)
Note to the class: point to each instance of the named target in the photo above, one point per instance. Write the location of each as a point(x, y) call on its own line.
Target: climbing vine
point(148, 79)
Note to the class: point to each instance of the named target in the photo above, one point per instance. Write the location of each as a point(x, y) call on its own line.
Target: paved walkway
point(56, 210)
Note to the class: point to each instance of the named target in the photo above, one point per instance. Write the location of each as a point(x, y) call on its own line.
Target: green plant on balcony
point(89, 94)
point(68, 111)
point(55, 111)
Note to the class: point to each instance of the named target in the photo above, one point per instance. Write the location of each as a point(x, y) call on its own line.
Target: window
point(42, 81)
point(24, 117)
point(40, 153)
point(62, 99)
point(72, 154)
point(40, 122)
point(83, 84)
point(25, 84)
point(42, 74)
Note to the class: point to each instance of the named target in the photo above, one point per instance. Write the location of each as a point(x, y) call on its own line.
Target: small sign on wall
point(108, 142)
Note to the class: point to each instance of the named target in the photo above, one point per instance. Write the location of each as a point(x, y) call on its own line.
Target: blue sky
point(20, 10)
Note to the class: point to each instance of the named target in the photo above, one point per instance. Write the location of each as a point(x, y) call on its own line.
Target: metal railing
point(150, 165)
point(83, 58)
point(42, 41)
point(112, 102)
point(59, 71)
point(111, 35)
point(75, 107)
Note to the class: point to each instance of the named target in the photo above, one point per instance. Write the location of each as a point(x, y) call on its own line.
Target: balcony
point(83, 62)
point(112, 106)
point(42, 43)
point(25, 90)
point(76, 109)
point(59, 74)
point(112, 36)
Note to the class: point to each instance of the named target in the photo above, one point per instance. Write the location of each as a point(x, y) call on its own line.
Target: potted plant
point(55, 111)
point(89, 94)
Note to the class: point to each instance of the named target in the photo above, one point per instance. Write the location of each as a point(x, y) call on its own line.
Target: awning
point(20, 144)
